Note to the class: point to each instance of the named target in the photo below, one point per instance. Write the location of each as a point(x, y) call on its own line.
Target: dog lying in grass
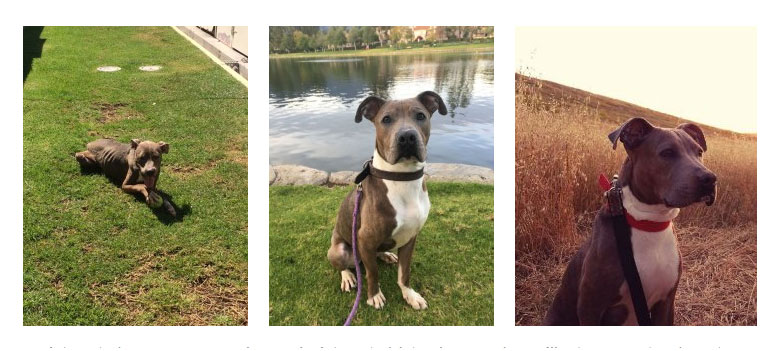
point(136, 166)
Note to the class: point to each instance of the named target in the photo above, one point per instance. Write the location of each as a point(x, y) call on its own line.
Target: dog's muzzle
point(408, 144)
point(149, 181)
point(708, 188)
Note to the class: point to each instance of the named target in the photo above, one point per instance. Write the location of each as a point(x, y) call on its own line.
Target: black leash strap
point(623, 234)
point(627, 257)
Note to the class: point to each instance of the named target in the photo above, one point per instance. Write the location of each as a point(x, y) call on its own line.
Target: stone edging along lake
point(435, 172)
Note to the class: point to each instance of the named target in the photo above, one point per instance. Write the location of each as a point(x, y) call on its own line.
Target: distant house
point(482, 35)
point(430, 33)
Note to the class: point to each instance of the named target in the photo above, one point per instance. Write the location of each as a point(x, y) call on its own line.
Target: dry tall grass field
point(562, 147)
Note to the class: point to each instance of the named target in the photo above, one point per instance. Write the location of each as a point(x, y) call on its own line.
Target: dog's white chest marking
point(411, 205)
point(657, 260)
point(656, 253)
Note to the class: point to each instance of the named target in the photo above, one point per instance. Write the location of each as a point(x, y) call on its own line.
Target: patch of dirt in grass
point(238, 156)
point(199, 302)
point(87, 248)
point(55, 279)
point(93, 133)
point(115, 112)
point(189, 170)
point(59, 286)
point(153, 37)
point(215, 300)
point(234, 154)
point(62, 233)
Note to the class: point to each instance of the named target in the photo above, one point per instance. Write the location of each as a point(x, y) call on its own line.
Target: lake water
point(312, 107)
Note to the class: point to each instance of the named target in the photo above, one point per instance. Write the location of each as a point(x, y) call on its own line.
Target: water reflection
point(313, 103)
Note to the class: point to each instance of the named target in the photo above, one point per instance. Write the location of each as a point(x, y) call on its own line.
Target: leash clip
point(614, 197)
point(364, 172)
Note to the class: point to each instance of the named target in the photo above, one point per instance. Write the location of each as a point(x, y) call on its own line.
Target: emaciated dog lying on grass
point(136, 166)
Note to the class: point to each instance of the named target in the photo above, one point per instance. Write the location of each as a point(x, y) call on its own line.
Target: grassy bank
point(452, 265)
point(562, 147)
point(440, 49)
point(94, 255)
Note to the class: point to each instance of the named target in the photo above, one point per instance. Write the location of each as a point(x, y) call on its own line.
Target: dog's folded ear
point(368, 108)
point(631, 133)
point(696, 133)
point(433, 102)
point(134, 143)
point(163, 147)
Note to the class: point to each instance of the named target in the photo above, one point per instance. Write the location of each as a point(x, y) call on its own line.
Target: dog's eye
point(667, 153)
point(386, 119)
point(699, 153)
point(420, 116)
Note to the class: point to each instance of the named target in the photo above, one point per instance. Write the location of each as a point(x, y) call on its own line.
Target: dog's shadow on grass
point(161, 212)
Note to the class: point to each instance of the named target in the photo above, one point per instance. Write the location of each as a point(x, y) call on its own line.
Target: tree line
point(313, 38)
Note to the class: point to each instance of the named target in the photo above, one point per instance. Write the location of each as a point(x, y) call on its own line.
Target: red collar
point(644, 225)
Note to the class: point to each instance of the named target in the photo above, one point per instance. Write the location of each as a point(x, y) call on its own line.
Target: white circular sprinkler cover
point(109, 68)
point(150, 68)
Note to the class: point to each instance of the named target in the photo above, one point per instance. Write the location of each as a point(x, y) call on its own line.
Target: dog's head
point(665, 164)
point(147, 156)
point(402, 126)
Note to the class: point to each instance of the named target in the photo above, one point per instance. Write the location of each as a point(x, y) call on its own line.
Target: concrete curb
point(438, 172)
point(229, 57)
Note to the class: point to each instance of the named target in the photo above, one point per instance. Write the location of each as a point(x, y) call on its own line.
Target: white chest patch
point(411, 205)
point(657, 260)
point(656, 253)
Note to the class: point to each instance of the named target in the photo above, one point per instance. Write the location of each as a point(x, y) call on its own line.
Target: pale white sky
point(707, 75)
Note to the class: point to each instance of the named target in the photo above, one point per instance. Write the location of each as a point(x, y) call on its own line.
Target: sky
point(707, 75)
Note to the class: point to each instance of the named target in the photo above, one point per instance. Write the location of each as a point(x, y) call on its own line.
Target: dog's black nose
point(407, 138)
point(150, 171)
point(707, 178)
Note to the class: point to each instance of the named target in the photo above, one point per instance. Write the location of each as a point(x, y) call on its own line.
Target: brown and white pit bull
point(136, 166)
point(392, 213)
point(662, 173)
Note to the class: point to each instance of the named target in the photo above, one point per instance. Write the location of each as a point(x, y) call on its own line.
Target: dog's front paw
point(153, 199)
point(414, 299)
point(348, 280)
point(377, 301)
point(388, 257)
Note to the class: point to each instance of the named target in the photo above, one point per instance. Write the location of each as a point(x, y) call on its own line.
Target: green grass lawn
point(94, 255)
point(416, 50)
point(452, 265)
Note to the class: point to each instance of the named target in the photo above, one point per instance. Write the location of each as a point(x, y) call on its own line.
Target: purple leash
point(355, 256)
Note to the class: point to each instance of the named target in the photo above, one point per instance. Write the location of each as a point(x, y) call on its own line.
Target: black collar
point(368, 169)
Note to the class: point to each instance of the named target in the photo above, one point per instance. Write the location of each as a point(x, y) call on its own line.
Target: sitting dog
point(136, 166)
point(662, 173)
point(394, 205)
